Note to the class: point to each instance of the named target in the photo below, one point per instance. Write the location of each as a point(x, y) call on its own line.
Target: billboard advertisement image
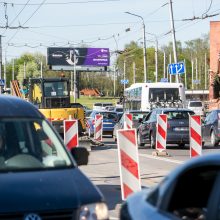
point(83, 56)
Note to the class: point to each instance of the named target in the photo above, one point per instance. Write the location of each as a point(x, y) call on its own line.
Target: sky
point(99, 23)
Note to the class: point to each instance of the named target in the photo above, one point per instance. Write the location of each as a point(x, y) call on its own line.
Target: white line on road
point(159, 158)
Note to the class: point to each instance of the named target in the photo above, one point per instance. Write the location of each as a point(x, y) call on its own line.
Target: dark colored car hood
point(46, 190)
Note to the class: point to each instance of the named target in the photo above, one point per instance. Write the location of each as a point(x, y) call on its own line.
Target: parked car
point(39, 176)
point(137, 115)
point(197, 106)
point(101, 105)
point(211, 128)
point(189, 192)
point(177, 127)
point(109, 120)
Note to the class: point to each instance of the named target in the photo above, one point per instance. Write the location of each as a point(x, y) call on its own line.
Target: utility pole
point(196, 73)
point(134, 72)
point(173, 37)
point(205, 71)
point(124, 73)
point(0, 56)
point(192, 63)
point(164, 64)
point(74, 78)
point(170, 59)
point(5, 71)
point(156, 60)
point(41, 69)
point(114, 79)
point(185, 74)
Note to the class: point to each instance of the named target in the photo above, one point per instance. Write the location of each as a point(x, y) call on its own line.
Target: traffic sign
point(126, 81)
point(2, 82)
point(176, 68)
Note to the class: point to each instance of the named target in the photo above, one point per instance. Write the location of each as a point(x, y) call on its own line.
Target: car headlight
point(96, 211)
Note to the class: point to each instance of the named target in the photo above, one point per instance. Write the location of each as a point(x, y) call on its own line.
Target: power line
point(62, 3)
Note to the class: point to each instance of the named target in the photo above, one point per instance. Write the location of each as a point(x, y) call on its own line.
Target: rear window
point(97, 104)
point(107, 104)
point(109, 115)
point(195, 104)
point(178, 114)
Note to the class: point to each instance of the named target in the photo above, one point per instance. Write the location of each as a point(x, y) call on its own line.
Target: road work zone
point(71, 139)
point(128, 162)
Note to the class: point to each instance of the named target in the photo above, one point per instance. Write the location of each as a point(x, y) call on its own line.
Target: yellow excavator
point(52, 97)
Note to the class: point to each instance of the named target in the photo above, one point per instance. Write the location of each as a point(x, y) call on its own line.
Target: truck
point(52, 97)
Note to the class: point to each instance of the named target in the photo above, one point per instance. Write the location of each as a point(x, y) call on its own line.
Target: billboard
point(60, 56)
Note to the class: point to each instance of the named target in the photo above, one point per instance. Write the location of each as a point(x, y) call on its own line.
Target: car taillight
point(93, 122)
point(168, 125)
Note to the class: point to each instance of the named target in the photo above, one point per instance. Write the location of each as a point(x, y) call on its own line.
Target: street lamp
point(144, 45)
point(156, 54)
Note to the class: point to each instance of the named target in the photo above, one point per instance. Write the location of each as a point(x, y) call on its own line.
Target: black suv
point(177, 127)
point(211, 128)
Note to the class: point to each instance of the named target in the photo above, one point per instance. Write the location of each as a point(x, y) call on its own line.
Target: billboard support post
point(74, 79)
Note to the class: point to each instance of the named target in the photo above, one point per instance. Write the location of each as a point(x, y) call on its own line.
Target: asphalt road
point(103, 168)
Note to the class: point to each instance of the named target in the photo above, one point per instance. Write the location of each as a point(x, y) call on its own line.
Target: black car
point(177, 126)
point(190, 192)
point(137, 117)
point(211, 128)
point(39, 176)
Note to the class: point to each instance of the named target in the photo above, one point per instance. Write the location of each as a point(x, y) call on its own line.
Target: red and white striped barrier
point(98, 127)
point(71, 133)
point(161, 135)
point(128, 121)
point(128, 162)
point(195, 135)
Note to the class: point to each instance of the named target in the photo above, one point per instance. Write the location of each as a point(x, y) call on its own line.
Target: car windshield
point(109, 115)
point(30, 144)
point(195, 104)
point(55, 89)
point(178, 114)
point(139, 115)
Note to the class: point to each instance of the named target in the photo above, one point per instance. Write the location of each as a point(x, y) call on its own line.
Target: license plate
point(107, 123)
point(181, 129)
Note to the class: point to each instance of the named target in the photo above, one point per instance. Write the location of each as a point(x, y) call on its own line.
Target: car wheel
point(152, 141)
point(140, 143)
point(214, 143)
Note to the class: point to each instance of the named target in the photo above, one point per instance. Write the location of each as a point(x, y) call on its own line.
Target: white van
point(101, 105)
point(196, 106)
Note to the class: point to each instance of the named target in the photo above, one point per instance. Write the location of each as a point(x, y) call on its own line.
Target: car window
point(178, 114)
point(195, 104)
point(30, 144)
point(109, 115)
point(137, 116)
point(194, 187)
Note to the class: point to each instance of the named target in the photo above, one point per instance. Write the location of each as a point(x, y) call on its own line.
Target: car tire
point(152, 141)
point(139, 140)
point(214, 143)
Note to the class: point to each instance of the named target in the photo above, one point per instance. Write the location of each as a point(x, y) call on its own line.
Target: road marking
point(159, 158)
point(162, 158)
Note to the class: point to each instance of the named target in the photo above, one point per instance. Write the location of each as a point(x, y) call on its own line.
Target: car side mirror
point(81, 155)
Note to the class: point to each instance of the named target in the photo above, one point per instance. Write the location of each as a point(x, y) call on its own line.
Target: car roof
point(173, 109)
point(12, 106)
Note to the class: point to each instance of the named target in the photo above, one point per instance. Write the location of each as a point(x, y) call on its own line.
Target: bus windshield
point(55, 89)
point(161, 94)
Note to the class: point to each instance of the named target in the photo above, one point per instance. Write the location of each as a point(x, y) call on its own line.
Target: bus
point(146, 96)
